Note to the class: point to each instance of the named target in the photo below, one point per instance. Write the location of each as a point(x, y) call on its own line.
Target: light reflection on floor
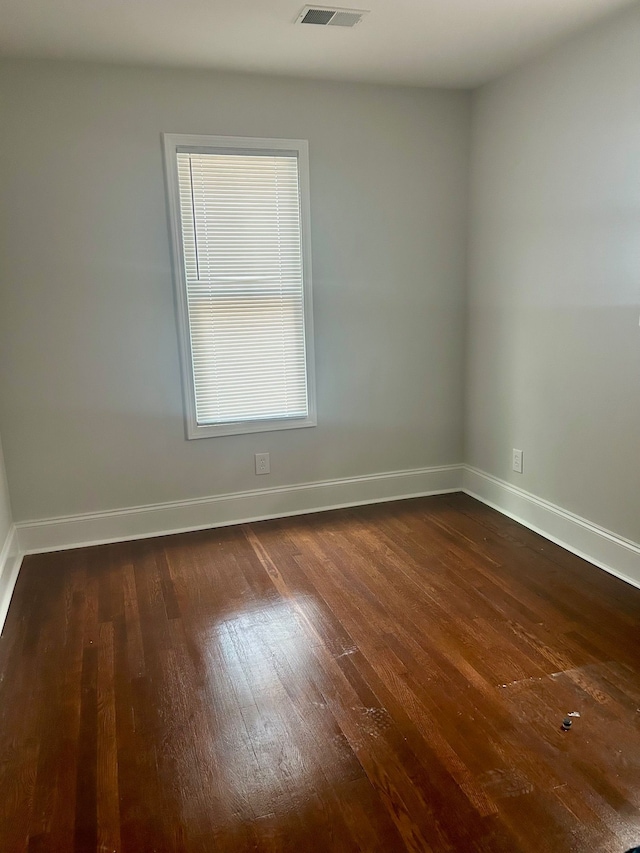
point(263, 678)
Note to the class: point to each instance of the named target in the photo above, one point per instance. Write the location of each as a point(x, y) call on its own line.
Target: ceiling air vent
point(327, 17)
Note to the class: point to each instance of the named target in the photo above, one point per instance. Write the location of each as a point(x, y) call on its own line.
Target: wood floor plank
point(382, 678)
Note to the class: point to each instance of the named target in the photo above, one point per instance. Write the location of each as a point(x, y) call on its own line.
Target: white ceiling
point(417, 42)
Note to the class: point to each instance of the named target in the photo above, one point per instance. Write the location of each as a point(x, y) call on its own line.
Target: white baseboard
point(57, 534)
point(603, 548)
point(10, 561)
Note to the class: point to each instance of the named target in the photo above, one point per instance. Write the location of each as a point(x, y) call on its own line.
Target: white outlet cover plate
point(263, 464)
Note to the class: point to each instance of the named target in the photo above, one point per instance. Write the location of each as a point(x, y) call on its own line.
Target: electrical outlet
point(263, 465)
point(517, 461)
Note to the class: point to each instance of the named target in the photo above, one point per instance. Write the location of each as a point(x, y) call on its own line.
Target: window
point(239, 211)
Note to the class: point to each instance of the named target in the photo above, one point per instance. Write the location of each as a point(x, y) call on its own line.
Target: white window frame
point(172, 144)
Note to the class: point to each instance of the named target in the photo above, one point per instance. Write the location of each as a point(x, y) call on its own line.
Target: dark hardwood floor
point(385, 678)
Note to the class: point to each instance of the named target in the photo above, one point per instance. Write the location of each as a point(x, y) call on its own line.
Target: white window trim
point(172, 142)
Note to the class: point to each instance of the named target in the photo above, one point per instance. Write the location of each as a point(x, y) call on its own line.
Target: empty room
point(319, 426)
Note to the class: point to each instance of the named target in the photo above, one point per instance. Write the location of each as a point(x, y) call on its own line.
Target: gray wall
point(553, 343)
point(90, 398)
point(5, 506)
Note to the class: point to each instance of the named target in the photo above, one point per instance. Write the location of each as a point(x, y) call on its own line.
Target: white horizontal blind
point(241, 234)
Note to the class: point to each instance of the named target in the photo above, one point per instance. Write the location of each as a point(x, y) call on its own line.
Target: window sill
point(246, 427)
